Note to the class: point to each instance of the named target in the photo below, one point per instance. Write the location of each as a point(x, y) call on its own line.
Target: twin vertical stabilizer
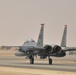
point(63, 42)
point(40, 38)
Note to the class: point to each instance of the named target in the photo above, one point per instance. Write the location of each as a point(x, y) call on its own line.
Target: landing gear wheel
point(32, 61)
point(50, 61)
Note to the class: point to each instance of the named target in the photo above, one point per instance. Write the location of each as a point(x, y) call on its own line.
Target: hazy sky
point(21, 19)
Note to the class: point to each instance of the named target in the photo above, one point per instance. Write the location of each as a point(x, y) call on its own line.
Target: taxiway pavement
point(58, 65)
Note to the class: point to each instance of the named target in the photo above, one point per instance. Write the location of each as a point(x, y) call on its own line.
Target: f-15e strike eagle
point(31, 48)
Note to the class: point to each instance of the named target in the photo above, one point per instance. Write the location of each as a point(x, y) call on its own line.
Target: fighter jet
point(30, 48)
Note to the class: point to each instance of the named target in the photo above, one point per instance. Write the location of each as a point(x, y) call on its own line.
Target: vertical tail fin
point(40, 38)
point(63, 42)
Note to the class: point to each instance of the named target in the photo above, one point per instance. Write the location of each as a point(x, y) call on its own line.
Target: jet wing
point(9, 47)
point(70, 49)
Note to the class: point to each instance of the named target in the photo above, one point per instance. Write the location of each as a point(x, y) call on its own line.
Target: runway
point(17, 62)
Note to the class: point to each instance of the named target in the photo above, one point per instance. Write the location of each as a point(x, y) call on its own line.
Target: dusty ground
point(19, 71)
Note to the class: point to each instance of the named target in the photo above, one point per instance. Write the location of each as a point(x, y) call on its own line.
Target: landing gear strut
point(50, 61)
point(31, 59)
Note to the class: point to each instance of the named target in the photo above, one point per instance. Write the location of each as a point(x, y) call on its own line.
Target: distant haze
point(21, 19)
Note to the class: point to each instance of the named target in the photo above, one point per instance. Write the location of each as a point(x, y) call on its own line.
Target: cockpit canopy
point(29, 40)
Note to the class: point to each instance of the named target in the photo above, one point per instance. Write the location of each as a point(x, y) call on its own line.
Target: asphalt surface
point(58, 65)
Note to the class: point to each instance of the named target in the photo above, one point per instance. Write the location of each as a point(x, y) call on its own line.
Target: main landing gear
point(50, 61)
point(31, 59)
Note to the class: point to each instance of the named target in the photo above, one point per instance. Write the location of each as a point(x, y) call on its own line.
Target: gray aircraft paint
point(40, 38)
point(63, 42)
